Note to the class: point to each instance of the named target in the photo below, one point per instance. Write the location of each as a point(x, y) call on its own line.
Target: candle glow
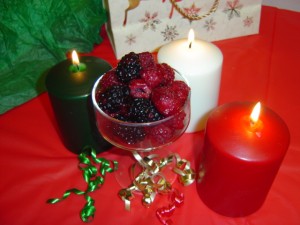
point(191, 37)
point(75, 59)
point(76, 66)
point(254, 117)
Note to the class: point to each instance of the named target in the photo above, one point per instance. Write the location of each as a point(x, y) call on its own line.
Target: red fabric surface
point(35, 166)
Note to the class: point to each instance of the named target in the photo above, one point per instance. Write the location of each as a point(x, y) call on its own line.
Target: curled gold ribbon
point(93, 176)
point(183, 169)
point(152, 181)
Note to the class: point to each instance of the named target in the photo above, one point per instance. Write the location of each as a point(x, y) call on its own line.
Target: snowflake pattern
point(248, 21)
point(233, 9)
point(150, 21)
point(130, 39)
point(170, 33)
point(192, 11)
point(210, 24)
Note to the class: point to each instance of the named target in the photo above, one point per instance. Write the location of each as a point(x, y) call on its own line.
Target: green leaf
point(37, 34)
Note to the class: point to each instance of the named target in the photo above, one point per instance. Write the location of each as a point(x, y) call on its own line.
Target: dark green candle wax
point(69, 87)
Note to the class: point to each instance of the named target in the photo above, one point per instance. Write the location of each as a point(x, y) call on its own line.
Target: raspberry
point(109, 79)
point(142, 111)
point(129, 67)
point(167, 73)
point(152, 76)
point(139, 89)
point(114, 99)
point(130, 135)
point(146, 60)
point(178, 121)
point(165, 100)
point(181, 89)
point(161, 134)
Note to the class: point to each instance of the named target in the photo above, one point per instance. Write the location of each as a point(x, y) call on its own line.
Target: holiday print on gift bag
point(146, 25)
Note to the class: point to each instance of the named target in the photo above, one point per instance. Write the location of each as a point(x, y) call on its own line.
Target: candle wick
point(190, 45)
point(252, 123)
point(256, 126)
point(77, 66)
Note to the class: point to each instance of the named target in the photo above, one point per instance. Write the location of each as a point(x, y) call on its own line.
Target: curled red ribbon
point(176, 201)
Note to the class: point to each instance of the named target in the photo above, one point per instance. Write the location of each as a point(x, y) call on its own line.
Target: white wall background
point(284, 4)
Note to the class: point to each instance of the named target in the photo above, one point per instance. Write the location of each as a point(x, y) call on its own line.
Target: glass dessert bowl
point(122, 124)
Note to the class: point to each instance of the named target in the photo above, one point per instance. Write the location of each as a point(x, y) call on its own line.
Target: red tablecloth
point(35, 166)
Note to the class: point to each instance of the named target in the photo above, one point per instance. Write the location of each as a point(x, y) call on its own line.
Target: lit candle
point(201, 63)
point(241, 157)
point(77, 66)
point(69, 85)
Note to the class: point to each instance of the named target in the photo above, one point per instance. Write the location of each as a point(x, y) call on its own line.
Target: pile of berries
point(139, 90)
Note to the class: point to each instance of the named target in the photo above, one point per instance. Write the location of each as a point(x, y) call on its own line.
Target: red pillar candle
point(241, 158)
point(69, 86)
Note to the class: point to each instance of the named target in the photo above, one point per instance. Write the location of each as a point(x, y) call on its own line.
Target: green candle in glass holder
point(69, 85)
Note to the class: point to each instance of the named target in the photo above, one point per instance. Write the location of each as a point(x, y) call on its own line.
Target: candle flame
point(191, 37)
point(75, 59)
point(255, 113)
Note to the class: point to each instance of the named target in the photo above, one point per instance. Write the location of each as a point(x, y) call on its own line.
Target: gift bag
point(145, 25)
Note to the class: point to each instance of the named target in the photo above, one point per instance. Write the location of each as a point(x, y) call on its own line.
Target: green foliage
point(37, 34)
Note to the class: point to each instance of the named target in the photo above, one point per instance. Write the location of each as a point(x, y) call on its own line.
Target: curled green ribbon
point(88, 211)
point(65, 195)
point(93, 176)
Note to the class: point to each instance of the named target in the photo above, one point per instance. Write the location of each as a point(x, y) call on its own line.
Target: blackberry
point(142, 111)
point(114, 99)
point(121, 116)
point(129, 67)
point(130, 135)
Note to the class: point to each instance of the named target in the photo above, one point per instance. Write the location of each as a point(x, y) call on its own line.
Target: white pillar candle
point(200, 63)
